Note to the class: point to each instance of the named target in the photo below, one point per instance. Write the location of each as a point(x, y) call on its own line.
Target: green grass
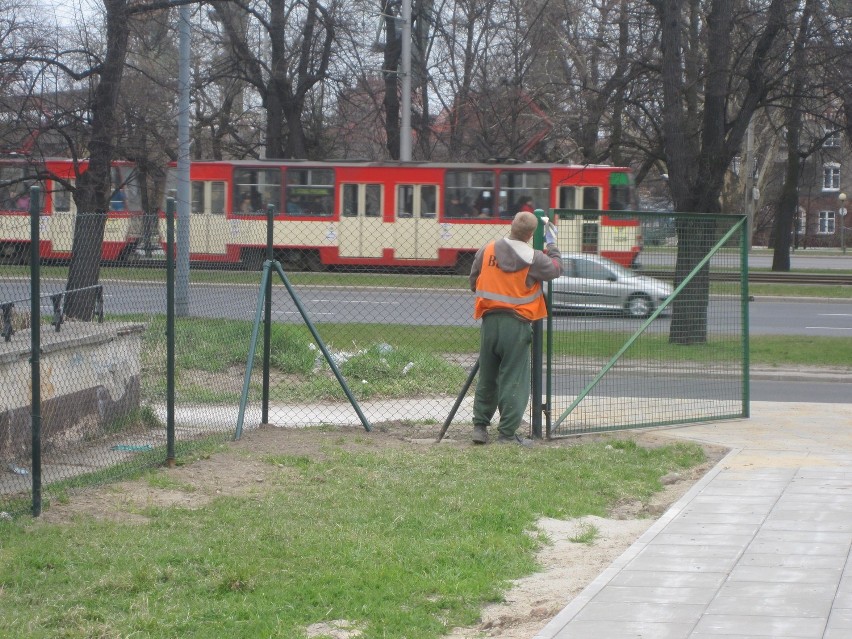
point(399, 543)
point(828, 291)
point(393, 361)
point(404, 280)
point(200, 276)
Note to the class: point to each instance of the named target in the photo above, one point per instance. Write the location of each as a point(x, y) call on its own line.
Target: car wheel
point(639, 306)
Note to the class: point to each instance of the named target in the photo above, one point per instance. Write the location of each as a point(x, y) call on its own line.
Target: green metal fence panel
point(663, 343)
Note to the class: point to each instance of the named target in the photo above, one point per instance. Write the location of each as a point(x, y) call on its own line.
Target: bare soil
point(567, 567)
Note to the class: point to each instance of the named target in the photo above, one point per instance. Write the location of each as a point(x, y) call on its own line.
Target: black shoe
point(480, 435)
point(514, 439)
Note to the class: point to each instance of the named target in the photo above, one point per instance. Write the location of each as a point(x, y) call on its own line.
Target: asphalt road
point(697, 386)
point(767, 316)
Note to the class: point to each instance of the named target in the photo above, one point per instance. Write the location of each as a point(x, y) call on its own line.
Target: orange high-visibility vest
point(499, 290)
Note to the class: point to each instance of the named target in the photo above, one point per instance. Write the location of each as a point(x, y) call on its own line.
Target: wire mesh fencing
point(403, 340)
point(664, 343)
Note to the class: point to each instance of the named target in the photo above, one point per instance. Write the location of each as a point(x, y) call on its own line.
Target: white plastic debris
point(407, 368)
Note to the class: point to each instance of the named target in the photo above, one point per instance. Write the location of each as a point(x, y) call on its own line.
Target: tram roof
point(483, 165)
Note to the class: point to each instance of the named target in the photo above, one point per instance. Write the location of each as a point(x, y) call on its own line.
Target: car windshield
point(617, 268)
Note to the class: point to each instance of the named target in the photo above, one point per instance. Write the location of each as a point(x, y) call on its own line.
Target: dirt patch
point(240, 470)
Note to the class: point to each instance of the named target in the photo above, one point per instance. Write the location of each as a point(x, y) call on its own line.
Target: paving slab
point(759, 547)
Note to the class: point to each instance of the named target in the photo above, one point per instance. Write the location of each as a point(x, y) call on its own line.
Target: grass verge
point(392, 361)
point(396, 542)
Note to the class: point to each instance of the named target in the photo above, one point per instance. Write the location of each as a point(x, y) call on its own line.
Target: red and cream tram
point(58, 211)
point(396, 214)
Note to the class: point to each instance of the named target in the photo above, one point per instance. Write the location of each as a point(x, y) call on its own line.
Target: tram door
point(360, 230)
point(583, 231)
point(416, 230)
point(209, 231)
point(62, 214)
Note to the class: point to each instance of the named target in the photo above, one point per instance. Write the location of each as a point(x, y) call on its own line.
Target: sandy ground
point(532, 601)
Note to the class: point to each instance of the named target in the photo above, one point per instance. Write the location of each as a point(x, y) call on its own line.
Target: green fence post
point(267, 319)
point(745, 319)
point(536, 360)
point(35, 345)
point(170, 331)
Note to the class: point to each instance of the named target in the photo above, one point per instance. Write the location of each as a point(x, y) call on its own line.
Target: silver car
point(594, 283)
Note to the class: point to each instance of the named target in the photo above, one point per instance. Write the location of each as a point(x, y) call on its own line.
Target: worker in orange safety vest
point(506, 276)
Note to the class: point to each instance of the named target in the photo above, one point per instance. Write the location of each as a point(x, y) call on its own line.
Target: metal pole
point(170, 331)
point(35, 346)
point(405, 128)
point(744, 314)
point(536, 359)
point(267, 319)
point(459, 400)
point(748, 163)
point(183, 190)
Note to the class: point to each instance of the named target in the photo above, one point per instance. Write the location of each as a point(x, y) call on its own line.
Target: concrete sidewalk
point(760, 547)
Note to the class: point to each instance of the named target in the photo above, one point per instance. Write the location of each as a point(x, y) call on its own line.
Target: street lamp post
point(842, 212)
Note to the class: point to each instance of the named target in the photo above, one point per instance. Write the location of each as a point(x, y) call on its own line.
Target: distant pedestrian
point(506, 276)
point(23, 202)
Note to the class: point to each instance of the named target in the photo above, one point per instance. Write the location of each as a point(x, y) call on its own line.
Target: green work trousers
point(504, 372)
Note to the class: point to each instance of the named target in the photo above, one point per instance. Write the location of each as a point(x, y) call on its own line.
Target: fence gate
point(663, 343)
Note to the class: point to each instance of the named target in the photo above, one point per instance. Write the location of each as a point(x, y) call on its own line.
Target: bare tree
point(718, 61)
point(299, 38)
point(93, 187)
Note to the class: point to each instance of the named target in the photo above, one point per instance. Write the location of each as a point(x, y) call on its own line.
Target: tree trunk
point(93, 188)
point(393, 52)
point(789, 203)
point(689, 311)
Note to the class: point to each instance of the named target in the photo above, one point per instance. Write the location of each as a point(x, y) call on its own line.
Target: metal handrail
point(56, 300)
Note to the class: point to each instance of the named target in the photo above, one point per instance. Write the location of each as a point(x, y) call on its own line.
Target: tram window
point(404, 201)
point(516, 185)
point(590, 236)
point(9, 175)
point(125, 195)
point(197, 204)
point(310, 192)
point(350, 200)
point(428, 199)
point(567, 197)
point(256, 189)
point(591, 198)
point(208, 197)
point(61, 199)
point(469, 193)
point(620, 197)
point(370, 207)
point(16, 194)
point(217, 198)
point(373, 200)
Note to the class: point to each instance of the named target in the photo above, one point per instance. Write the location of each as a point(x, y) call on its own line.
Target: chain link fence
point(350, 346)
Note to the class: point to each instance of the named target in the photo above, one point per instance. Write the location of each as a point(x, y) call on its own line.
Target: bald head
point(523, 226)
